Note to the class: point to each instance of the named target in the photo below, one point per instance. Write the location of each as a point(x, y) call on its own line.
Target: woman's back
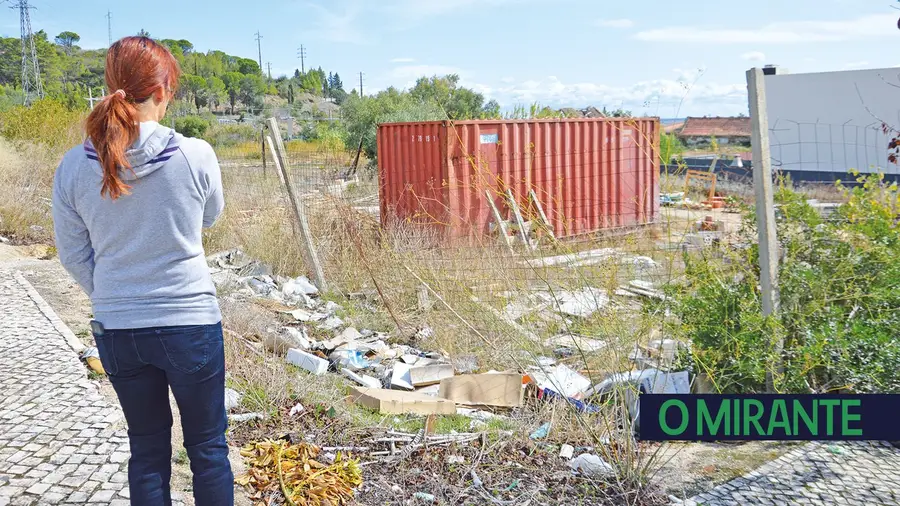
point(147, 267)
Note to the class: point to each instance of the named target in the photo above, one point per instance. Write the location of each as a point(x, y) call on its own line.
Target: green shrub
point(48, 122)
point(231, 134)
point(839, 301)
point(191, 126)
point(670, 146)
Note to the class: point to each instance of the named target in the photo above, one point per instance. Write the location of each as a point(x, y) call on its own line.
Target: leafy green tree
point(194, 87)
point(143, 33)
point(232, 82)
point(445, 92)
point(248, 66)
point(311, 83)
point(252, 88)
point(215, 91)
point(67, 40)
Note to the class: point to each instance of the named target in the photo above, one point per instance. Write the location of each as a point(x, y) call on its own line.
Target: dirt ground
point(684, 469)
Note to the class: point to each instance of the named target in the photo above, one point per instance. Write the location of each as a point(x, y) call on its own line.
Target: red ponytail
point(141, 68)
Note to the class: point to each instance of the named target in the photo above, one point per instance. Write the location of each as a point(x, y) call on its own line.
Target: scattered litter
point(307, 361)
point(393, 402)
point(400, 379)
point(422, 496)
point(582, 303)
point(301, 315)
point(587, 464)
point(92, 357)
point(296, 410)
point(580, 406)
point(277, 467)
point(644, 381)
point(4, 240)
point(541, 432)
point(429, 374)
point(332, 323)
point(455, 460)
point(288, 338)
point(299, 286)
point(567, 452)
point(361, 379)
point(660, 353)
point(465, 364)
point(232, 399)
point(349, 359)
point(574, 342)
point(246, 417)
point(561, 379)
point(500, 390)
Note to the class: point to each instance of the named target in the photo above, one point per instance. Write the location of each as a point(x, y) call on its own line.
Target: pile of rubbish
point(279, 469)
point(401, 379)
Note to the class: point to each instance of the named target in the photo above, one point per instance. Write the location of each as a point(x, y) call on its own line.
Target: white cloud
point(615, 23)
point(856, 65)
point(403, 60)
point(754, 56)
point(338, 26)
point(786, 32)
point(658, 96)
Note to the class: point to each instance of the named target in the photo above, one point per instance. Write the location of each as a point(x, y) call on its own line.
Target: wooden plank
point(306, 241)
point(523, 234)
point(541, 214)
point(501, 223)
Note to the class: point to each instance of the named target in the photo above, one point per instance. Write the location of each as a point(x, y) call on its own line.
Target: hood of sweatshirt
point(152, 149)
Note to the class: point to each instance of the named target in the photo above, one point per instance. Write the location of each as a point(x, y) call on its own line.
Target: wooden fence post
point(306, 241)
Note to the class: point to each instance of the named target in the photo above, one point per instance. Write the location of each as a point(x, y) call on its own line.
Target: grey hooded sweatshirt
point(140, 258)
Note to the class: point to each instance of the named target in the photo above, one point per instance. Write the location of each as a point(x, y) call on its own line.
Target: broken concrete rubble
point(578, 343)
point(582, 303)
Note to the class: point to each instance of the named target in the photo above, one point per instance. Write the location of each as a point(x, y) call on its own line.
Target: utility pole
point(765, 211)
point(259, 48)
point(109, 25)
point(31, 70)
point(360, 85)
point(301, 53)
point(269, 64)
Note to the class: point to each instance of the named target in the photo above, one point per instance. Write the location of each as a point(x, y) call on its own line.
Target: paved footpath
point(61, 441)
point(846, 473)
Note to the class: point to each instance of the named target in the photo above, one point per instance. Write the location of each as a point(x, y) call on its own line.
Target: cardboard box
point(500, 390)
point(394, 402)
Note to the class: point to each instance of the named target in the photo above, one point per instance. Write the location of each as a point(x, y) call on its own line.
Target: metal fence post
point(765, 208)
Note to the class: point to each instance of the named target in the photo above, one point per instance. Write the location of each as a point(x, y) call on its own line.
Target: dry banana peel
point(278, 469)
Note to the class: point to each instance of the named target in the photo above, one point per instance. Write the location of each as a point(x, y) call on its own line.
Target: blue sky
point(644, 56)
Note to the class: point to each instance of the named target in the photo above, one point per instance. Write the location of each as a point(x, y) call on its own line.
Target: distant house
point(701, 131)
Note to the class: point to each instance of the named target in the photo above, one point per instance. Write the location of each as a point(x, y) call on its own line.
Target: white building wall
point(832, 121)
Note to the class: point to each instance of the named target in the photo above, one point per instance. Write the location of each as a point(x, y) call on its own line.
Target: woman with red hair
point(129, 206)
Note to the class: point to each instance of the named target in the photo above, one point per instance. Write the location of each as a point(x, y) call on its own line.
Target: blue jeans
point(142, 365)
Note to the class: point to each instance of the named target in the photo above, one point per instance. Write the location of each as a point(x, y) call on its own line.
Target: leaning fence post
point(765, 208)
point(262, 146)
point(306, 241)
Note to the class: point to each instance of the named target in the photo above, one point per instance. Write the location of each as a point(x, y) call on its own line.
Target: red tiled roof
point(722, 127)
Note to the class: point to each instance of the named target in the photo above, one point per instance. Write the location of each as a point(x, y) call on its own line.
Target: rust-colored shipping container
point(587, 174)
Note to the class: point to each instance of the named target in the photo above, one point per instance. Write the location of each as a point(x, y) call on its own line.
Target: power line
point(301, 53)
point(109, 25)
point(259, 48)
point(31, 70)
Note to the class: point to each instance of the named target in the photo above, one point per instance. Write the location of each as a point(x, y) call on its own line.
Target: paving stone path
point(846, 473)
point(61, 441)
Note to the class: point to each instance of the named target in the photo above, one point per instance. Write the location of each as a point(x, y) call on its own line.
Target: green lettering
point(779, 407)
point(752, 418)
point(812, 424)
point(684, 417)
point(829, 415)
point(703, 417)
point(737, 417)
point(846, 418)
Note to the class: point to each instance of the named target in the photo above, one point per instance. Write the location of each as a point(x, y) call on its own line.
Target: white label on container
point(490, 138)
